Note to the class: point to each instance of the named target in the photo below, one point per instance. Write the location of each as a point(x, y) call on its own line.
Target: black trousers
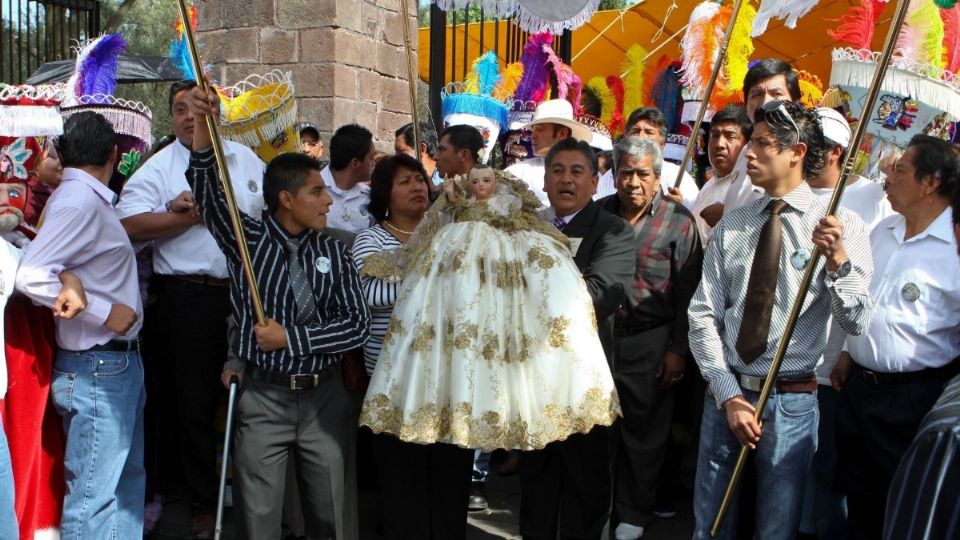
point(193, 340)
point(641, 437)
point(565, 488)
point(424, 487)
point(875, 425)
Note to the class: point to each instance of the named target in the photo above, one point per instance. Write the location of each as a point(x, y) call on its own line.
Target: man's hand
point(227, 373)
point(271, 336)
point(671, 370)
point(121, 319)
point(675, 194)
point(204, 104)
point(712, 214)
point(840, 371)
point(742, 423)
point(828, 236)
point(183, 202)
point(72, 298)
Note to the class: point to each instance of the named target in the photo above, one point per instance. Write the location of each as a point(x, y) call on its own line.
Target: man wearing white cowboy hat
point(553, 121)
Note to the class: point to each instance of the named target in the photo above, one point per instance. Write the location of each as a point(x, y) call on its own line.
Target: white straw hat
point(560, 111)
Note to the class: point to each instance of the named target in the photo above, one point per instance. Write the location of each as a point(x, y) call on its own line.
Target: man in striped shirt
point(752, 271)
point(293, 400)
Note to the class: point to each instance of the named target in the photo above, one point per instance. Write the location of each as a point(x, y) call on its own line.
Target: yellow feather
point(508, 84)
point(740, 48)
point(598, 85)
point(633, 70)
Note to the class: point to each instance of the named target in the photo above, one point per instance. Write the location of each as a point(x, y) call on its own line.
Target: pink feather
point(858, 24)
point(562, 75)
point(951, 37)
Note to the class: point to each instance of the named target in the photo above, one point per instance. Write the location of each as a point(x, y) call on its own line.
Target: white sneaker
point(626, 531)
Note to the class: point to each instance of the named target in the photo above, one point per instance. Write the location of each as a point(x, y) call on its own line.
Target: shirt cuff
point(97, 309)
point(233, 364)
point(724, 388)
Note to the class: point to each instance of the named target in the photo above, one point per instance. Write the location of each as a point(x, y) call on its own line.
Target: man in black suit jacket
point(566, 486)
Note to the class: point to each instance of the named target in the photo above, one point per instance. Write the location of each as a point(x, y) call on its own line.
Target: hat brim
point(577, 130)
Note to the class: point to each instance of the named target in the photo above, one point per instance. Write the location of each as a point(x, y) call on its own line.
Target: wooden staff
point(224, 171)
point(706, 95)
point(848, 164)
point(411, 79)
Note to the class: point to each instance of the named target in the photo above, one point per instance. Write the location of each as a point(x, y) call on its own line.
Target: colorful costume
point(493, 341)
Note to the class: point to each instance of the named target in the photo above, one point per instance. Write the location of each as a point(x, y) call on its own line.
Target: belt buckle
point(315, 377)
point(870, 377)
point(751, 383)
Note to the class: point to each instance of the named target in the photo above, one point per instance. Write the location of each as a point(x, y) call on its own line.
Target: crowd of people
point(412, 312)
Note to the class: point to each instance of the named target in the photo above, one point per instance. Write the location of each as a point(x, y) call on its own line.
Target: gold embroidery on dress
point(466, 334)
point(539, 255)
point(423, 337)
point(558, 329)
point(509, 275)
point(394, 328)
point(491, 346)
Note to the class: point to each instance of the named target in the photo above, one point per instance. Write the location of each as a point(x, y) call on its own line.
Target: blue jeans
point(787, 444)
point(825, 504)
point(8, 517)
point(481, 466)
point(100, 396)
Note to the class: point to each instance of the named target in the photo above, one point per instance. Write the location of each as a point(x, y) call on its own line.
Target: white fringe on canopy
point(127, 117)
point(932, 85)
point(532, 16)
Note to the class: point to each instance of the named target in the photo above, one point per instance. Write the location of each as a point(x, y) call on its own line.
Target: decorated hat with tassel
point(91, 88)
point(471, 102)
point(261, 113)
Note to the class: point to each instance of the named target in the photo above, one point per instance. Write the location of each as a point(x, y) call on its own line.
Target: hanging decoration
point(533, 16)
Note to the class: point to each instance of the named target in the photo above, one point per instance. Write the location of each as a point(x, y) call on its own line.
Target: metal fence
point(462, 28)
point(37, 31)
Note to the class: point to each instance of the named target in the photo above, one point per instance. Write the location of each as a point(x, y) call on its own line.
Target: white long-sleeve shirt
point(9, 259)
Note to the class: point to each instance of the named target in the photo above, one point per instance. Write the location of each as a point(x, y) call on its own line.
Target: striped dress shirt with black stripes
point(716, 309)
point(342, 320)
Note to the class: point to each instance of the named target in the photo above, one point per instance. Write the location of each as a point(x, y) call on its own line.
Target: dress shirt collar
point(328, 180)
point(69, 173)
point(280, 232)
point(941, 228)
point(568, 218)
point(800, 198)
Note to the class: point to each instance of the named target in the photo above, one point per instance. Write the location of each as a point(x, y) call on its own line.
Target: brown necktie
point(762, 288)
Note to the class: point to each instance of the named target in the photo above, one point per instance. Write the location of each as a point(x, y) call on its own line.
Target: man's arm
point(347, 324)
point(850, 299)
point(687, 265)
point(155, 225)
point(143, 210)
point(611, 269)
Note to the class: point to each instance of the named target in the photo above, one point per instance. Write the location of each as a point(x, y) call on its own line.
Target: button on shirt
point(916, 323)
point(349, 209)
point(82, 234)
point(341, 321)
point(163, 178)
point(716, 309)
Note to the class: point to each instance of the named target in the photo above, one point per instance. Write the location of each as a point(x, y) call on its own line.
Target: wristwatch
point(842, 271)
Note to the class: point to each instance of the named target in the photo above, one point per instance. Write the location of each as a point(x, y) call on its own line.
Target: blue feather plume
point(487, 68)
point(665, 93)
point(97, 65)
point(180, 55)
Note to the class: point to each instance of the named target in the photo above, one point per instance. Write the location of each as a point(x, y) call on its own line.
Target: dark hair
point(649, 114)
point(428, 136)
point(176, 88)
point(88, 139)
point(570, 143)
point(771, 67)
point(381, 181)
point(311, 128)
point(464, 137)
point(732, 114)
point(938, 158)
point(286, 172)
point(808, 124)
point(348, 143)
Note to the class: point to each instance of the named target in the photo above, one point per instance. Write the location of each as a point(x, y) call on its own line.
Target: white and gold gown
point(493, 338)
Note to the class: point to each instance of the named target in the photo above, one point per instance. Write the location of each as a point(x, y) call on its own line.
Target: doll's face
point(482, 183)
point(13, 200)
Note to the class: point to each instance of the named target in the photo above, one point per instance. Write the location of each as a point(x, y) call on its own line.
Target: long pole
point(412, 78)
point(224, 171)
point(848, 164)
point(721, 56)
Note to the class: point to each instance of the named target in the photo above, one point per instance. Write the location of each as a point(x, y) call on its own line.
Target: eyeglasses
point(777, 111)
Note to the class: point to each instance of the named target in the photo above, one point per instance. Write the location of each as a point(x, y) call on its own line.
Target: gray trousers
point(275, 424)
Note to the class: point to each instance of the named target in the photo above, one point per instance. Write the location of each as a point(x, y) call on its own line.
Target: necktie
point(302, 290)
point(559, 222)
point(762, 287)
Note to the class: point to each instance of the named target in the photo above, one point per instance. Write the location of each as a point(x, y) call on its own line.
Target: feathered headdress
point(700, 47)
point(509, 80)
point(651, 73)
point(535, 82)
point(789, 10)
point(633, 73)
point(951, 38)
point(858, 24)
point(921, 38)
point(179, 50)
point(96, 71)
point(665, 94)
point(484, 75)
point(616, 118)
point(811, 89)
point(608, 103)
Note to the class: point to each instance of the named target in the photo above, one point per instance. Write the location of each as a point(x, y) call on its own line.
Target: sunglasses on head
point(776, 110)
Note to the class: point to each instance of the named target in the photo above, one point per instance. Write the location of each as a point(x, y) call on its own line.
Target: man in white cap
point(553, 121)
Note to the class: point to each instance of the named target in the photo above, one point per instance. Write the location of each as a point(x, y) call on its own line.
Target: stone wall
point(347, 56)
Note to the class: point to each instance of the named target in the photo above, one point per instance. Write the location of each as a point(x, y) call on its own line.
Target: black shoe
point(478, 498)
point(664, 510)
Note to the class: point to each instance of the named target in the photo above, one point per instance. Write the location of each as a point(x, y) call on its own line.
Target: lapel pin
point(800, 258)
point(911, 292)
point(322, 264)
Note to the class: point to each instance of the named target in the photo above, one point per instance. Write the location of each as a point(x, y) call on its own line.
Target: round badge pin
point(323, 265)
point(800, 258)
point(252, 186)
point(911, 292)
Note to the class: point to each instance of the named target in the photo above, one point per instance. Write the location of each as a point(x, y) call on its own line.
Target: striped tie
point(302, 291)
point(559, 222)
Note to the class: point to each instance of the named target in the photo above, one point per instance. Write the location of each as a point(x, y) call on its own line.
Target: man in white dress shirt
point(552, 122)
point(730, 129)
point(351, 162)
point(156, 206)
point(893, 373)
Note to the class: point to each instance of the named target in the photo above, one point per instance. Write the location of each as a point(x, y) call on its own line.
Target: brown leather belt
point(292, 381)
point(784, 385)
point(200, 279)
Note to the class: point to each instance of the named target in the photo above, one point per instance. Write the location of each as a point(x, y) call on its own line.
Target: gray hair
point(637, 148)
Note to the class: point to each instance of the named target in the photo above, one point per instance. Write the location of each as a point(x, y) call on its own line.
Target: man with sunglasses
point(752, 272)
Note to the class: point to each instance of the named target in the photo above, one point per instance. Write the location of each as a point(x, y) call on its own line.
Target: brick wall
point(346, 56)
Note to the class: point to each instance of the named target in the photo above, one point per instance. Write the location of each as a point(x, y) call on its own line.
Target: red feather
point(616, 88)
point(650, 77)
point(951, 37)
point(857, 25)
